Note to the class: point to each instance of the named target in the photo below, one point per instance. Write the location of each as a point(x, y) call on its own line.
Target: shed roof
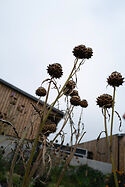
point(60, 113)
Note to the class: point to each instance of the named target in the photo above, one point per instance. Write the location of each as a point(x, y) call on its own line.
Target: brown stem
point(69, 159)
point(26, 181)
point(65, 122)
point(112, 118)
point(109, 146)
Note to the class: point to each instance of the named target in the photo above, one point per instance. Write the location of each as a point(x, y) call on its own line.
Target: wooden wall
point(103, 149)
point(21, 120)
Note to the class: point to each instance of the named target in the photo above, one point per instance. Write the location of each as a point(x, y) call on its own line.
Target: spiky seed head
point(104, 101)
point(55, 70)
point(74, 93)
point(115, 79)
point(41, 92)
point(79, 51)
point(47, 129)
point(83, 103)
point(89, 53)
point(75, 100)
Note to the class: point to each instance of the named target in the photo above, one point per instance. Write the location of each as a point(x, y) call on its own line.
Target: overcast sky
point(36, 33)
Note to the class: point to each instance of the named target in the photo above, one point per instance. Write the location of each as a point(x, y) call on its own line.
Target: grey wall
point(97, 165)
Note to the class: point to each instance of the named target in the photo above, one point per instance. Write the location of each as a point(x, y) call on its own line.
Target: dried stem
point(65, 122)
point(112, 118)
point(110, 145)
point(25, 182)
point(26, 178)
point(69, 159)
point(18, 148)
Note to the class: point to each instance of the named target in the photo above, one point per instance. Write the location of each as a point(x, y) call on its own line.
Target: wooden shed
point(17, 107)
point(101, 152)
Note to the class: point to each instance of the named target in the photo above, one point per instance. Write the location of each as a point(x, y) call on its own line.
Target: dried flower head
point(71, 84)
point(75, 100)
point(47, 129)
point(55, 70)
point(80, 51)
point(74, 93)
point(105, 101)
point(89, 53)
point(41, 91)
point(83, 103)
point(69, 87)
point(115, 79)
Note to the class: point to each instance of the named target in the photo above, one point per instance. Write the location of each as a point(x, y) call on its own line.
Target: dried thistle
point(41, 92)
point(74, 93)
point(115, 79)
point(47, 129)
point(55, 70)
point(69, 87)
point(83, 103)
point(105, 101)
point(89, 53)
point(71, 84)
point(75, 100)
point(82, 52)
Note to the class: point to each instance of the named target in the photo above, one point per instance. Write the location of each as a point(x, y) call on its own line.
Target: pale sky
point(36, 33)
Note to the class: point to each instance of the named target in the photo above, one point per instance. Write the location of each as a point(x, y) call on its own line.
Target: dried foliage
point(41, 154)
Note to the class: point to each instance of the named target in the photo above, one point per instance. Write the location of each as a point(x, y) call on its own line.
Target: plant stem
point(105, 123)
point(113, 103)
point(25, 181)
point(66, 119)
point(69, 160)
point(26, 178)
point(109, 146)
point(17, 149)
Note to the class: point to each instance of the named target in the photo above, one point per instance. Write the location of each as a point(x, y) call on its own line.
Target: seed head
point(74, 93)
point(115, 79)
point(89, 53)
point(71, 84)
point(41, 92)
point(47, 129)
point(79, 51)
point(105, 101)
point(75, 100)
point(83, 103)
point(55, 70)
point(69, 87)
point(82, 52)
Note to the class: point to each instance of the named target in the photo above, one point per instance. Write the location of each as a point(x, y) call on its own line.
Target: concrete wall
point(97, 165)
point(8, 145)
